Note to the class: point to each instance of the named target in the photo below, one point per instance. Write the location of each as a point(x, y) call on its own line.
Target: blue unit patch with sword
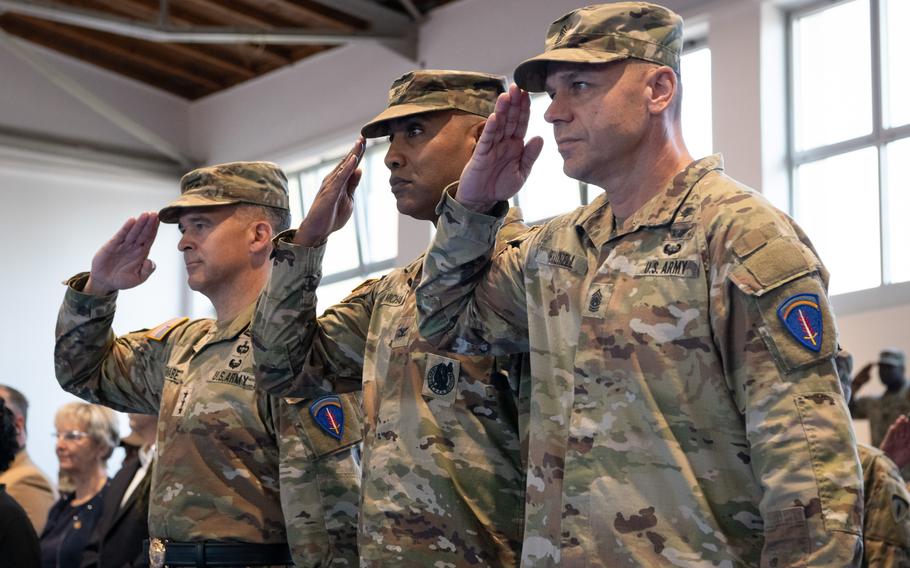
point(328, 414)
point(802, 317)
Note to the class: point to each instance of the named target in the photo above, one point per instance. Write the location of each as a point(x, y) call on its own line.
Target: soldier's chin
point(193, 284)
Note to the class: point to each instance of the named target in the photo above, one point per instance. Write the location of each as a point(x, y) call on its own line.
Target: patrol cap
point(430, 90)
point(892, 356)
point(255, 183)
point(604, 33)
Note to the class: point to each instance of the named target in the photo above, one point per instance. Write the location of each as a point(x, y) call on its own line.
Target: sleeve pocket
point(796, 321)
point(826, 424)
point(321, 442)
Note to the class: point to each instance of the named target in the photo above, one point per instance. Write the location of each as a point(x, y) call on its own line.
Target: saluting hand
point(502, 161)
point(334, 202)
point(862, 377)
point(123, 261)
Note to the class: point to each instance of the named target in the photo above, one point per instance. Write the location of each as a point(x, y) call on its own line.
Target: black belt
point(209, 553)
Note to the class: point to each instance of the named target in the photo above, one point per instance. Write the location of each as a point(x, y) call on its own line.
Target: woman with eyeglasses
point(86, 436)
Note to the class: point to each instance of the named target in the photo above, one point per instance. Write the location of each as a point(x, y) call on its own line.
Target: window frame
point(363, 269)
point(878, 138)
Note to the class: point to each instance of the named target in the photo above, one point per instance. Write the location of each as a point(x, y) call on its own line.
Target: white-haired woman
point(86, 436)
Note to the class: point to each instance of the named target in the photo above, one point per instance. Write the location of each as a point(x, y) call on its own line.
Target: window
point(367, 246)
point(549, 192)
point(850, 138)
point(695, 68)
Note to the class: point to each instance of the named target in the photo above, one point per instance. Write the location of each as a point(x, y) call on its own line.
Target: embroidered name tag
point(238, 379)
point(673, 267)
point(392, 299)
point(562, 259)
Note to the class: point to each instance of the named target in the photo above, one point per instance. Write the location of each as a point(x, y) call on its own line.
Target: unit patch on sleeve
point(328, 414)
point(802, 317)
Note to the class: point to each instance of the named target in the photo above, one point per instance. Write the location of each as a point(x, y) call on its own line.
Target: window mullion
point(877, 128)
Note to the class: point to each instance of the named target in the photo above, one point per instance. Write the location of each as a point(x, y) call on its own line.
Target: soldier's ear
point(260, 236)
point(477, 130)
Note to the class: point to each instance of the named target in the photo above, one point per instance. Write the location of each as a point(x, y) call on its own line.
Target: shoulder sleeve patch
point(161, 332)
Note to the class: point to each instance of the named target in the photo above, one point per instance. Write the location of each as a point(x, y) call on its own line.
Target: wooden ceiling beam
point(260, 59)
point(16, 25)
point(309, 14)
point(107, 43)
point(220, 14)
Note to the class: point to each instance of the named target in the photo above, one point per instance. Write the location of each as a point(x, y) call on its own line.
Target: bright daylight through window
point(850, 138)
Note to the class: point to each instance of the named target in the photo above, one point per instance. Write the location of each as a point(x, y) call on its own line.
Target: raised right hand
point(862, 377)
point(501, 161)
point(123, 261)
point(334, 202)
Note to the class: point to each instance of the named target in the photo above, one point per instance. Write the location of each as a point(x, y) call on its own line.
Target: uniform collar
point(230, 330)
point(599, 224)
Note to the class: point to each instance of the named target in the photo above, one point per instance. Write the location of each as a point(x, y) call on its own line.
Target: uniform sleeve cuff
point(87, 305)
point(294, 261)
point(462, 222)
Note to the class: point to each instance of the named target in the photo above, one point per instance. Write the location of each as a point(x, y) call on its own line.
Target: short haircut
point(9, 447)
point(98, 422)
point(279, 219)
point(15, 400)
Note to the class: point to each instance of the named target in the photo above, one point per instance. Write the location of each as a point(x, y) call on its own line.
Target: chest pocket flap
point(327, 427)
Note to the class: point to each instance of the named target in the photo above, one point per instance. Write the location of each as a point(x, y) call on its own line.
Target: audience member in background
point(24, 481)
point(117, 539)
point(882, 411)
point(86, 436)
point(18, 540)
point(886, 519)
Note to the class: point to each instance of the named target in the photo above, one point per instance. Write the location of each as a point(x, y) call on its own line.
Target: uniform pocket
point(821, 414)
point(796, 323)
point(329, 424)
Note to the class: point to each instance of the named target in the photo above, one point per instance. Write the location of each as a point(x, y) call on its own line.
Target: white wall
point(54, 217)
point(29, 101)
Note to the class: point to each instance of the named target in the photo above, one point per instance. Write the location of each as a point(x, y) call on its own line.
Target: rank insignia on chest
point(802, 317)
point(328, 414)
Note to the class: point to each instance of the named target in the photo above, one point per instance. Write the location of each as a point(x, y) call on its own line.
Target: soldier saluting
point(241, 476)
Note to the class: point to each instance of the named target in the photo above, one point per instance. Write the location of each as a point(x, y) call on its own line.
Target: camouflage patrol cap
point(423, 91)
point(603, 33)
point(255, 183)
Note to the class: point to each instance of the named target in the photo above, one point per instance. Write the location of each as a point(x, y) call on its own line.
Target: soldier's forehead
point(205, 210)
point(404, 121)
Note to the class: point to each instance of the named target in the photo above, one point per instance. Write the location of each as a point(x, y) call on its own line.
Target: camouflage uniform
point(886, 526)
point(442, 470)
point(443, 479)
point(674, 420)
point(234, 464)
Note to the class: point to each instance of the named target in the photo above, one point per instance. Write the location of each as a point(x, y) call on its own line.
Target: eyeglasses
point(70, 435)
